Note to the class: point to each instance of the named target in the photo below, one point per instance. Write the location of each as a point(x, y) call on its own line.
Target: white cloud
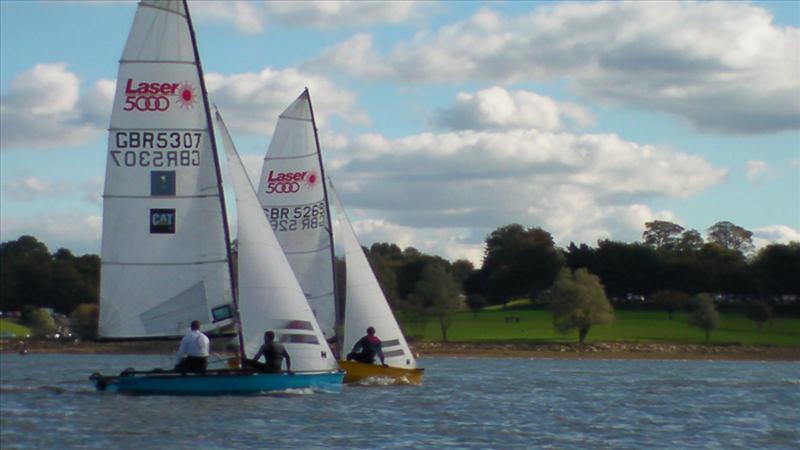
point(93, 190)
point(759, 171)
point(449, 243)
point(498, 109)
point(30, 188)
point(79, 233)
point(775, 234)
point(579, 188)
point(43, 109)
point(252, 17)
point(252, 101)
point(723, 66)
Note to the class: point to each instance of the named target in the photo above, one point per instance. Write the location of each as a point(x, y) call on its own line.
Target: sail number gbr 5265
point(156, 148)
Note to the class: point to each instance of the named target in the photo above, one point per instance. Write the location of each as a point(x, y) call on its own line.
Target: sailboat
point(166, 254)
point(296, 200)
point(366, 306)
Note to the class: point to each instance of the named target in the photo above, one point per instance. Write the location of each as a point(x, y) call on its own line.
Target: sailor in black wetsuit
point(366, 348)
point(274, 353)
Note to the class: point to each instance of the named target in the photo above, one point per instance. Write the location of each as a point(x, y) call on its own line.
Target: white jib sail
point(164, 255)
point(365, 304)
point(270, 297)
point(291, 192)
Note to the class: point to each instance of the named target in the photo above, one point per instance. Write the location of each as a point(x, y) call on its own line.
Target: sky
point(440, 122)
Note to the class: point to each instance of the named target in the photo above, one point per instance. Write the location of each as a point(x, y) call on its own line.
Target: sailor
point(274, 353)
point(366, 348)
point(193, 351)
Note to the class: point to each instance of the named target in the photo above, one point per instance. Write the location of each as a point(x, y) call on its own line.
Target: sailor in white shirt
point(193, 351)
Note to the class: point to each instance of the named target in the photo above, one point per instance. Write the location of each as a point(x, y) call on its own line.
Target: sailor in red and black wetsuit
point(366, 348)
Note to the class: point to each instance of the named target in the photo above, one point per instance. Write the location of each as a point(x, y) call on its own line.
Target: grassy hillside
point(7, 326)
point(535, 325)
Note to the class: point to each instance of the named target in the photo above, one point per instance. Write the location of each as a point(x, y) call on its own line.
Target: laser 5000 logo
point(290, 182)
point(157, 97)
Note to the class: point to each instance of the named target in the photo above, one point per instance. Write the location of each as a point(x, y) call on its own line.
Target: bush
point(704, 314)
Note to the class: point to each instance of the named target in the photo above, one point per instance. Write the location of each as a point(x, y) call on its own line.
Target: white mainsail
point(270, 297)
point(292, 193)
point(165, 255)
point(365, 304)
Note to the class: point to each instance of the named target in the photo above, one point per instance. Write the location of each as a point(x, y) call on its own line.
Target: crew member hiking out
point(366, 348)
point(274, 353)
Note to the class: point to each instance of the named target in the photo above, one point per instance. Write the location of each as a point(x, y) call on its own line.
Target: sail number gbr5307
point(156, 148)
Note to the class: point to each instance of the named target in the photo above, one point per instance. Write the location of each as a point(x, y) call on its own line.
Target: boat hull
point(357, 372)
point(219, 382)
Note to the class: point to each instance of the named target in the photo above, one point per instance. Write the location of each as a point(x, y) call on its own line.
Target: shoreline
point(594, 350)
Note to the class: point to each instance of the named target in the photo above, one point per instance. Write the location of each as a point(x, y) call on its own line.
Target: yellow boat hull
point(356, 372)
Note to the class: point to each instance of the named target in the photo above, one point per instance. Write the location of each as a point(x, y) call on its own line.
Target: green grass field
point(7, 326)
point(535, 325)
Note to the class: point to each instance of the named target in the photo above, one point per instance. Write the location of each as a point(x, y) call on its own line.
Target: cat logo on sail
point(157, 96)
point(290, 182)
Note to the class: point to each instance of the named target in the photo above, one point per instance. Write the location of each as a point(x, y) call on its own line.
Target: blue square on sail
point(162, 182)
point(162, 221)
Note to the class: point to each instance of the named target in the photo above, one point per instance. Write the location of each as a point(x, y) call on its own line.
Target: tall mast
point(338, 303)
point(218, 172)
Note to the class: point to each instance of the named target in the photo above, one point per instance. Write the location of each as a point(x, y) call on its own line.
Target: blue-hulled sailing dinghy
point(166, 253)
point(217, 382)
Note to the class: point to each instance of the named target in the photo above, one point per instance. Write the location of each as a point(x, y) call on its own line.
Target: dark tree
point(777, 269)
point(580, 256)
point(578, 302)
point(723, 270)
point(704, 314)
point(759, 312)
point(661, 234)
point(84, 320)
point(26, 266)
point(671, 301)
point(628, 268)
point(462, 269)
point(476, 303)
point(519, 262)
point(730, 236)
point(690, 241)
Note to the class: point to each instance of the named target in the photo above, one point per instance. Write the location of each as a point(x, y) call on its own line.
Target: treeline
point(32, 277)
point(524, 262)
point(518, 262)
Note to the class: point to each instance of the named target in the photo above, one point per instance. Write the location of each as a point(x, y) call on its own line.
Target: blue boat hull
point(221, 382)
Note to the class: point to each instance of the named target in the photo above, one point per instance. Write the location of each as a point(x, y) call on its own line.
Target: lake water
point(46, 401)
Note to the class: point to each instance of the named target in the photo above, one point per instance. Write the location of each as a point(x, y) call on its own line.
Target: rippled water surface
point(46, 401)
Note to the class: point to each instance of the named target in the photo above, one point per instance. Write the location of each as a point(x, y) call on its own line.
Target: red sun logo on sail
point(311, 179)
point(187, 96)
